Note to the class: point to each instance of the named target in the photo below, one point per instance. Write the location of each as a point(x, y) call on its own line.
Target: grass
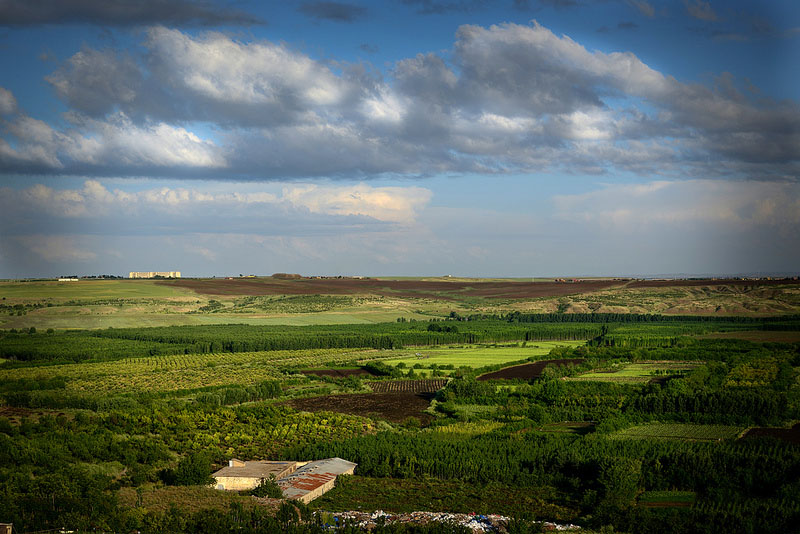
point(188, 499)
point(679, 432)
point(88, 290)
point(637, 372)
point(568, 427)
point(133, 316)
point(408, 495)
point(478, 356)
point(468, 428)
point(182, 372)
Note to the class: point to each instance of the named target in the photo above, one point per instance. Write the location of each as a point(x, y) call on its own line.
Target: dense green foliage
point(118, 343)
point(679, 434)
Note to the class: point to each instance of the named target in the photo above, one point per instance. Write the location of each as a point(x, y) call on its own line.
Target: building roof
point(256, 469)
point(313, 475)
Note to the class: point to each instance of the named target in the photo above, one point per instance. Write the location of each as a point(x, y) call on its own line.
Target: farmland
point(451, 395)
point(682, 432)
point(475, 356)
point(273, 301)
point(638, 372)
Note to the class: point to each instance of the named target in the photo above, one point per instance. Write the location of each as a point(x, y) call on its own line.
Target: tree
point(194, 469)
point(268, 487)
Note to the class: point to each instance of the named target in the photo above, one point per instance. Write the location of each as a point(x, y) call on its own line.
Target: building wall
point(236, 483)
point(311, 495)
point(153, 274)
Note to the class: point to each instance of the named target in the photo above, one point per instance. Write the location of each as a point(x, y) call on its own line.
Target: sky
point(519, 138)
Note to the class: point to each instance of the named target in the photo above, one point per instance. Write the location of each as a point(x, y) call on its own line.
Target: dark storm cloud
point(121, 13)
point(335, 11)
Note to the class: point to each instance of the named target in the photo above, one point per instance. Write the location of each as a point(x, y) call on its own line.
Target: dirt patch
point(527, 371)
point(394, 407)
point(440, 290)
point(707, 283)
point(15, 414)
point(792, 435)
point(337, 373)
point(408, 386)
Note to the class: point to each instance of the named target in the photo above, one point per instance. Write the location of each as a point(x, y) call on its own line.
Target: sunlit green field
point(89, 290)
point(637, 372)
point(478, 356)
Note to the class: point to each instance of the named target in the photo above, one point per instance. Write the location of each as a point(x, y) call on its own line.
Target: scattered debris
point(367, 521)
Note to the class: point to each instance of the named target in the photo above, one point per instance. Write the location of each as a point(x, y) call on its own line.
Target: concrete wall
point(236, 483)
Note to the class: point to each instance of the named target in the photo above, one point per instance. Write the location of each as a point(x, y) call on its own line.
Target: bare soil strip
point(437, 289)
point(527, 371)
point(394, 407)
point(792, 435)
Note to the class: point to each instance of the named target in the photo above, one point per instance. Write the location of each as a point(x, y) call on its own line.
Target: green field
point(680, 432)
point(184, 372)
point(89, 290)
point(118, 429)
point(637, 372)
point(477, 356)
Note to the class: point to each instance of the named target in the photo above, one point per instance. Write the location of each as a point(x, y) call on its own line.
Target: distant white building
point(153, 274)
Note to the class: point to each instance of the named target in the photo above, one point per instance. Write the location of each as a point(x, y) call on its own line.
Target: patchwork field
point(132, 420)
point(267, 300)
point(475, 356)
point(680, 432)
point(182, 372)
point(636, 373)
point(396, 407)
point(527, 371)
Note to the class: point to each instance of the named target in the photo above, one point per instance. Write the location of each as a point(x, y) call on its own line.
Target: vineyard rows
point(408, 386)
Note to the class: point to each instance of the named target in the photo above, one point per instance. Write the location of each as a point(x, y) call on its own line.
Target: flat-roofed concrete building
point(239, 475)
point(314, 479)
point(153, 274)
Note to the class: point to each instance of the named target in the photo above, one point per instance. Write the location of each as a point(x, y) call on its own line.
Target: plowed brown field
point(527, 371)
point(394, 407)
point(441, 290)
point(437, 289)
point(792, 435)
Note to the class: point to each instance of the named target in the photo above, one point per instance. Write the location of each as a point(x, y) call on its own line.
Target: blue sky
point(412, 137)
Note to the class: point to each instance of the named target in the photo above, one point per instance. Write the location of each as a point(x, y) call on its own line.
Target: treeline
point(110, 344)
point(520, 317)
point(602, 475)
